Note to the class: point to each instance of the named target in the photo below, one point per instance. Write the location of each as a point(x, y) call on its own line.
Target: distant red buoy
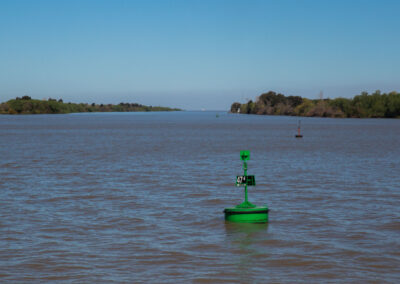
point(298, 135)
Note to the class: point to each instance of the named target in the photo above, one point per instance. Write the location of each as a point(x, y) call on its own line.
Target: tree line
point(27, 105)
point(375, 105)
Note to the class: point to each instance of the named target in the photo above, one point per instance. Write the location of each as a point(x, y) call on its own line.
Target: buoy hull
point(299, 136)
point(247, 215)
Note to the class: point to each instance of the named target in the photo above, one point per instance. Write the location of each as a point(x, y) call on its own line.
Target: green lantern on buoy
point(246, 212)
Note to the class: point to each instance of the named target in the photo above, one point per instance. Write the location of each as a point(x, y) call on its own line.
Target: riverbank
point(375, 105)
point(27, 105)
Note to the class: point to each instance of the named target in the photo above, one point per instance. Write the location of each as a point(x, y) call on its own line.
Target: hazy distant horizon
point(192, 103)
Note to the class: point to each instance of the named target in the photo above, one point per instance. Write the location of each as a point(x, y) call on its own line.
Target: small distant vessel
point(298, 135)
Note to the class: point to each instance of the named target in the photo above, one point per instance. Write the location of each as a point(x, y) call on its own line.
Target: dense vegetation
point(363, 105)
point(26, 105)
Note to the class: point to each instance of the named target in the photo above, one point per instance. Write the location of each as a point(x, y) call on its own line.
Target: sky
point(196, 54)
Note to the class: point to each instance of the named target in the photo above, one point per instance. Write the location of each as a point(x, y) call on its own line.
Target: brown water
point(138, 197)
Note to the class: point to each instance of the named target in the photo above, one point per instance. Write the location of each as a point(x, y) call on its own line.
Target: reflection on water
point(243, 238)
point(245, 229)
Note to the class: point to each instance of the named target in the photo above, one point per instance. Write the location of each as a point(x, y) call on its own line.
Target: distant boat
point(298, 135)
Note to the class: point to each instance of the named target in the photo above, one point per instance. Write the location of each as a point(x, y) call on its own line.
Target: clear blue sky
point(196, 54)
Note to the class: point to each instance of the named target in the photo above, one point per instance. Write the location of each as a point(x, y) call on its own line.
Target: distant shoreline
point(375, 105)
point(27, 105)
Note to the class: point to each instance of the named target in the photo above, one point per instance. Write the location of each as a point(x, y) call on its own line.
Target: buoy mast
point(298, 128)
point(245, 180)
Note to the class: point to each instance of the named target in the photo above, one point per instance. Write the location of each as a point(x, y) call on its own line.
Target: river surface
point(139, 198)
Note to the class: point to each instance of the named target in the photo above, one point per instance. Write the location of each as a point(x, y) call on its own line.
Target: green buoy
point(246, 212)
